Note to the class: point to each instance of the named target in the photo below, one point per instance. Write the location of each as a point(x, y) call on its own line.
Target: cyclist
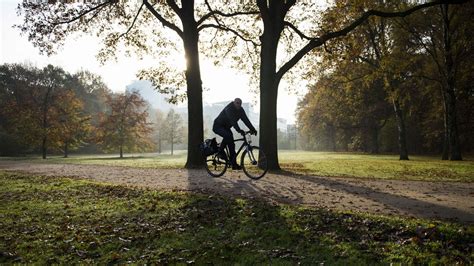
point(228, 118)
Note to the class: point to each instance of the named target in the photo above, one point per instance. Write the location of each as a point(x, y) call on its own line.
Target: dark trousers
point(228, 140)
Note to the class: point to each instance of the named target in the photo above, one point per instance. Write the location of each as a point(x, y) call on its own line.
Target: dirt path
point(442, 200)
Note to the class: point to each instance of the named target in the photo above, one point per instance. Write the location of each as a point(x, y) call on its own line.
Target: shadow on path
point(406, 205)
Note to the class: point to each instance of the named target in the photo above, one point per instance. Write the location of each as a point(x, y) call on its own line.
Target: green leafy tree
point(446, 37)
point(386, 51)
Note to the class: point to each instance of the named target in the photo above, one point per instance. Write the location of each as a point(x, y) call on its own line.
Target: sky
point(224, 84)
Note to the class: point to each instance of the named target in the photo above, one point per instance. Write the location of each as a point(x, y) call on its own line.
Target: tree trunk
point(375, 139)
point(445, 155)
point(273, 17)
point(121, 152)
point(172, 134)
point(402, 139)
point(332, 137)
point(45, 122)
point(194, 86)
point(43, 146)
point(268, 126)
point(66, 146)
point(159, 143)
point(450, 95)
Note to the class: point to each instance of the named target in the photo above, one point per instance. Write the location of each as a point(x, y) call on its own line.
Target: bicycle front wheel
point(254, 162)
point(215, 166)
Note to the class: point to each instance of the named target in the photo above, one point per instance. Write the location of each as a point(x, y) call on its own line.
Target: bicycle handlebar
point(247, 133)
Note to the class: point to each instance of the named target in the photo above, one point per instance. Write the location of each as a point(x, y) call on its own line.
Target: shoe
point(236, 167)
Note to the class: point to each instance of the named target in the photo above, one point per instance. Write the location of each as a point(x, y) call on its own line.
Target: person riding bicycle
point(228, 118)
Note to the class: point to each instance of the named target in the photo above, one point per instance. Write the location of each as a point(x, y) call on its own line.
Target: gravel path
point(441, 200)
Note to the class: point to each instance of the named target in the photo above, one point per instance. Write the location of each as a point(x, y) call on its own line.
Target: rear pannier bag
point(208, 147)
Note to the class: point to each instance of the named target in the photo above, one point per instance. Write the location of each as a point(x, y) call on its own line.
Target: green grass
point(136, 160)
point(46, 220)
point(377, 166)
point(314, 163)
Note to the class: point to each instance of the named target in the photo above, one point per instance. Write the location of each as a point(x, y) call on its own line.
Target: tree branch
point(373, 64)
point(295, 29)
point(212, 13)
point(133, 23)
point(175, 7)
point(263, 7)
point(319, 41)
point(225, 28)
point(163, 21)
point(83, 13)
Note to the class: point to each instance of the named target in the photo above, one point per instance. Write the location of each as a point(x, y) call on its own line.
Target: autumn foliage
point(124, 126)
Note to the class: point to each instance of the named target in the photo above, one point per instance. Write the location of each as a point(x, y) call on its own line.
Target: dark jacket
point(230, 115)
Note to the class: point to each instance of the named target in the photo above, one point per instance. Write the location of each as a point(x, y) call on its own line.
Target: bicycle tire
point(213, 161)
point(253, 163)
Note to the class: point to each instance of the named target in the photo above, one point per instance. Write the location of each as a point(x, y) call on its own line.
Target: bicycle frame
point(245, 144)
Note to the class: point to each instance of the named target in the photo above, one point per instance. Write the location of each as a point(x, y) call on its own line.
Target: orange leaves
point(125, 124)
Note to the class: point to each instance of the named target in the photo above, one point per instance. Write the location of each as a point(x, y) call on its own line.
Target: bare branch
point(163, 21)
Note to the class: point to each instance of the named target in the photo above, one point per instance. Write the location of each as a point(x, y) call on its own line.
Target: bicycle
point(253, 160)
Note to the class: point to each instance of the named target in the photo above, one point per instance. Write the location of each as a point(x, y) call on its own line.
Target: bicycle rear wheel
point(215, 166)
point(254, 162)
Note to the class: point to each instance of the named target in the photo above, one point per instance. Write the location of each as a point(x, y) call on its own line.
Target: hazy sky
point(224, 84)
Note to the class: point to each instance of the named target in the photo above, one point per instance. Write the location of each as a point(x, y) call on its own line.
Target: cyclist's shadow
point(237, 184)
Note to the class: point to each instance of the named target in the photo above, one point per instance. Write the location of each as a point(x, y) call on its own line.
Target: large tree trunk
point(402, 138)
point(268, 118)
point(450, 84)
point(273, 17)
point(194, 86)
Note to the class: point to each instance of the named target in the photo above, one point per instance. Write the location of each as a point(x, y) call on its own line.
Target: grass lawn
point(314, 163)
point(47, 220)
point(377, 166)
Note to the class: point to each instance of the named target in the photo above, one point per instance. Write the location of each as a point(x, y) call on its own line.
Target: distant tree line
point(51, 111)
point(402, 85)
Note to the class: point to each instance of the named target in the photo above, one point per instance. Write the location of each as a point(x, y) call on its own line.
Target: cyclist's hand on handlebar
point(253, 132)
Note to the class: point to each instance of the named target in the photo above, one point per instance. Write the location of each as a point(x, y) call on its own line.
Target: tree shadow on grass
point(115, 224)
point(410, 206)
